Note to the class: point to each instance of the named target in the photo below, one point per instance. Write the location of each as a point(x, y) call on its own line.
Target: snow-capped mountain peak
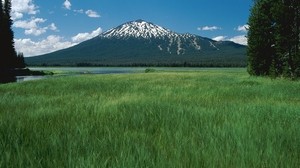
point(168, 41)
point(144, 43)
point(138, 29)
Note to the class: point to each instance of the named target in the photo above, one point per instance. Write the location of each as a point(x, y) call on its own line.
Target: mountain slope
point(144, 43)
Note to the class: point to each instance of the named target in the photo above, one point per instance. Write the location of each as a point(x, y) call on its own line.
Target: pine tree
point(261, 38)
point(20, 62)
point(1, 15)
point(295, 5)
point(274, 37)
point(282, 37)
point(2, 40)
point(298, 31)
point(11, 52)
point(287, 18)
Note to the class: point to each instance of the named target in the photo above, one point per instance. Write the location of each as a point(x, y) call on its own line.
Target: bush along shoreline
point(28, 72)
point(9, 75)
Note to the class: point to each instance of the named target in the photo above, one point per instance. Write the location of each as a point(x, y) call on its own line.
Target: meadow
point(203, 118)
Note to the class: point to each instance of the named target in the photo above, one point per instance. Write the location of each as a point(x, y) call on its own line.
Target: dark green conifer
point(273, 38)
point(10, 52)
point(8, 55)
point(2, 40)
point(260, 38)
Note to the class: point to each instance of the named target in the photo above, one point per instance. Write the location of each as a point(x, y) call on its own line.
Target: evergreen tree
point(20, 62)
point(281, 36)
point(273, 38)
point(2, 40)
point(261, 38)
point(8, 55)
point(287, 37)
point(295, 67)
point(11, 52)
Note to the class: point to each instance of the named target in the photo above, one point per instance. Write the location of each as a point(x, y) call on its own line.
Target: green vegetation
point(9, 59)
point(144, 52)
point(149, 70)
point(206, 118)
point(274, 38)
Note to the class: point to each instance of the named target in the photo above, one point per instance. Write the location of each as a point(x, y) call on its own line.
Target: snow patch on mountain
point(212, 45)
point(180, 50)
point(198, 47)
point(167, 40)
point(160, 48)
point(138, 29)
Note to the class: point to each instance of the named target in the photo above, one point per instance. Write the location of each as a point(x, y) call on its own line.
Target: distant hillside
point(141, 43)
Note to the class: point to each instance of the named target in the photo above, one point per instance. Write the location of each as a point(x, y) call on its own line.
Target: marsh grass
point(208, 118)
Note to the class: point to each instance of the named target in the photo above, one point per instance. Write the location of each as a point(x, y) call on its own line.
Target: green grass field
point(206, 118)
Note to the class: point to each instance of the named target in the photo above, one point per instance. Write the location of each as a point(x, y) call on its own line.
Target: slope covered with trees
point(273, 38)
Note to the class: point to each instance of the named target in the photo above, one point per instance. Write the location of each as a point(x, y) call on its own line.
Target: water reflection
point(28, 78)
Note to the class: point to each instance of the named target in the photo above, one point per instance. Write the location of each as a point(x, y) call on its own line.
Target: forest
point(273, 38)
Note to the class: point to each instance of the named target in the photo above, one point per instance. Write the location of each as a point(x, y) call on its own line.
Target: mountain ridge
point(143, 43)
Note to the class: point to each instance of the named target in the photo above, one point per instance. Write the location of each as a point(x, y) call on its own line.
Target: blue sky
point(43, 26)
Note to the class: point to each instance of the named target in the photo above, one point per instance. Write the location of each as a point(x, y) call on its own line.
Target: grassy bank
point(208, 118)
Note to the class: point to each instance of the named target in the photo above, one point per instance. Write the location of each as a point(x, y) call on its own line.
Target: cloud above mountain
point(209, 28)
point(52, 43)
point(85, 36)
point(240, 39)
point(243, 28)
point(32, 26)
point(220, 38)
point(92, 14)
point(21, 7)
point(67, 4)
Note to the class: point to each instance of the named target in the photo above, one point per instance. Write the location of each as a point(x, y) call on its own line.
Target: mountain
point(141, 43)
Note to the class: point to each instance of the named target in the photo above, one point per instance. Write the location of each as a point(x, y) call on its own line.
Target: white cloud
point(51, 43)
point(32, 26)
point(243, 28)
point(33, 23)
point(36, 31)
point(67, 4)
point(220, 38)
point(89, 13)
point(21, 7)
point(85, 36)
point(79, 11)
point(239, 39)
point(92, 14)
point(53, 27)
point(209, 28)
point(242, 39)
point(16, 15)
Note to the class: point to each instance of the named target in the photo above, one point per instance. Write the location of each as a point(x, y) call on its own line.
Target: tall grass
point(208, 118)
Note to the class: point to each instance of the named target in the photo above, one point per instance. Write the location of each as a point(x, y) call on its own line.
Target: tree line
point(273, 38)
point(9, 58)
point(174, 64)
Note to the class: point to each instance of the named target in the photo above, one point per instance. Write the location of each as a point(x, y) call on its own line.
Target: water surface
point(67, 71)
